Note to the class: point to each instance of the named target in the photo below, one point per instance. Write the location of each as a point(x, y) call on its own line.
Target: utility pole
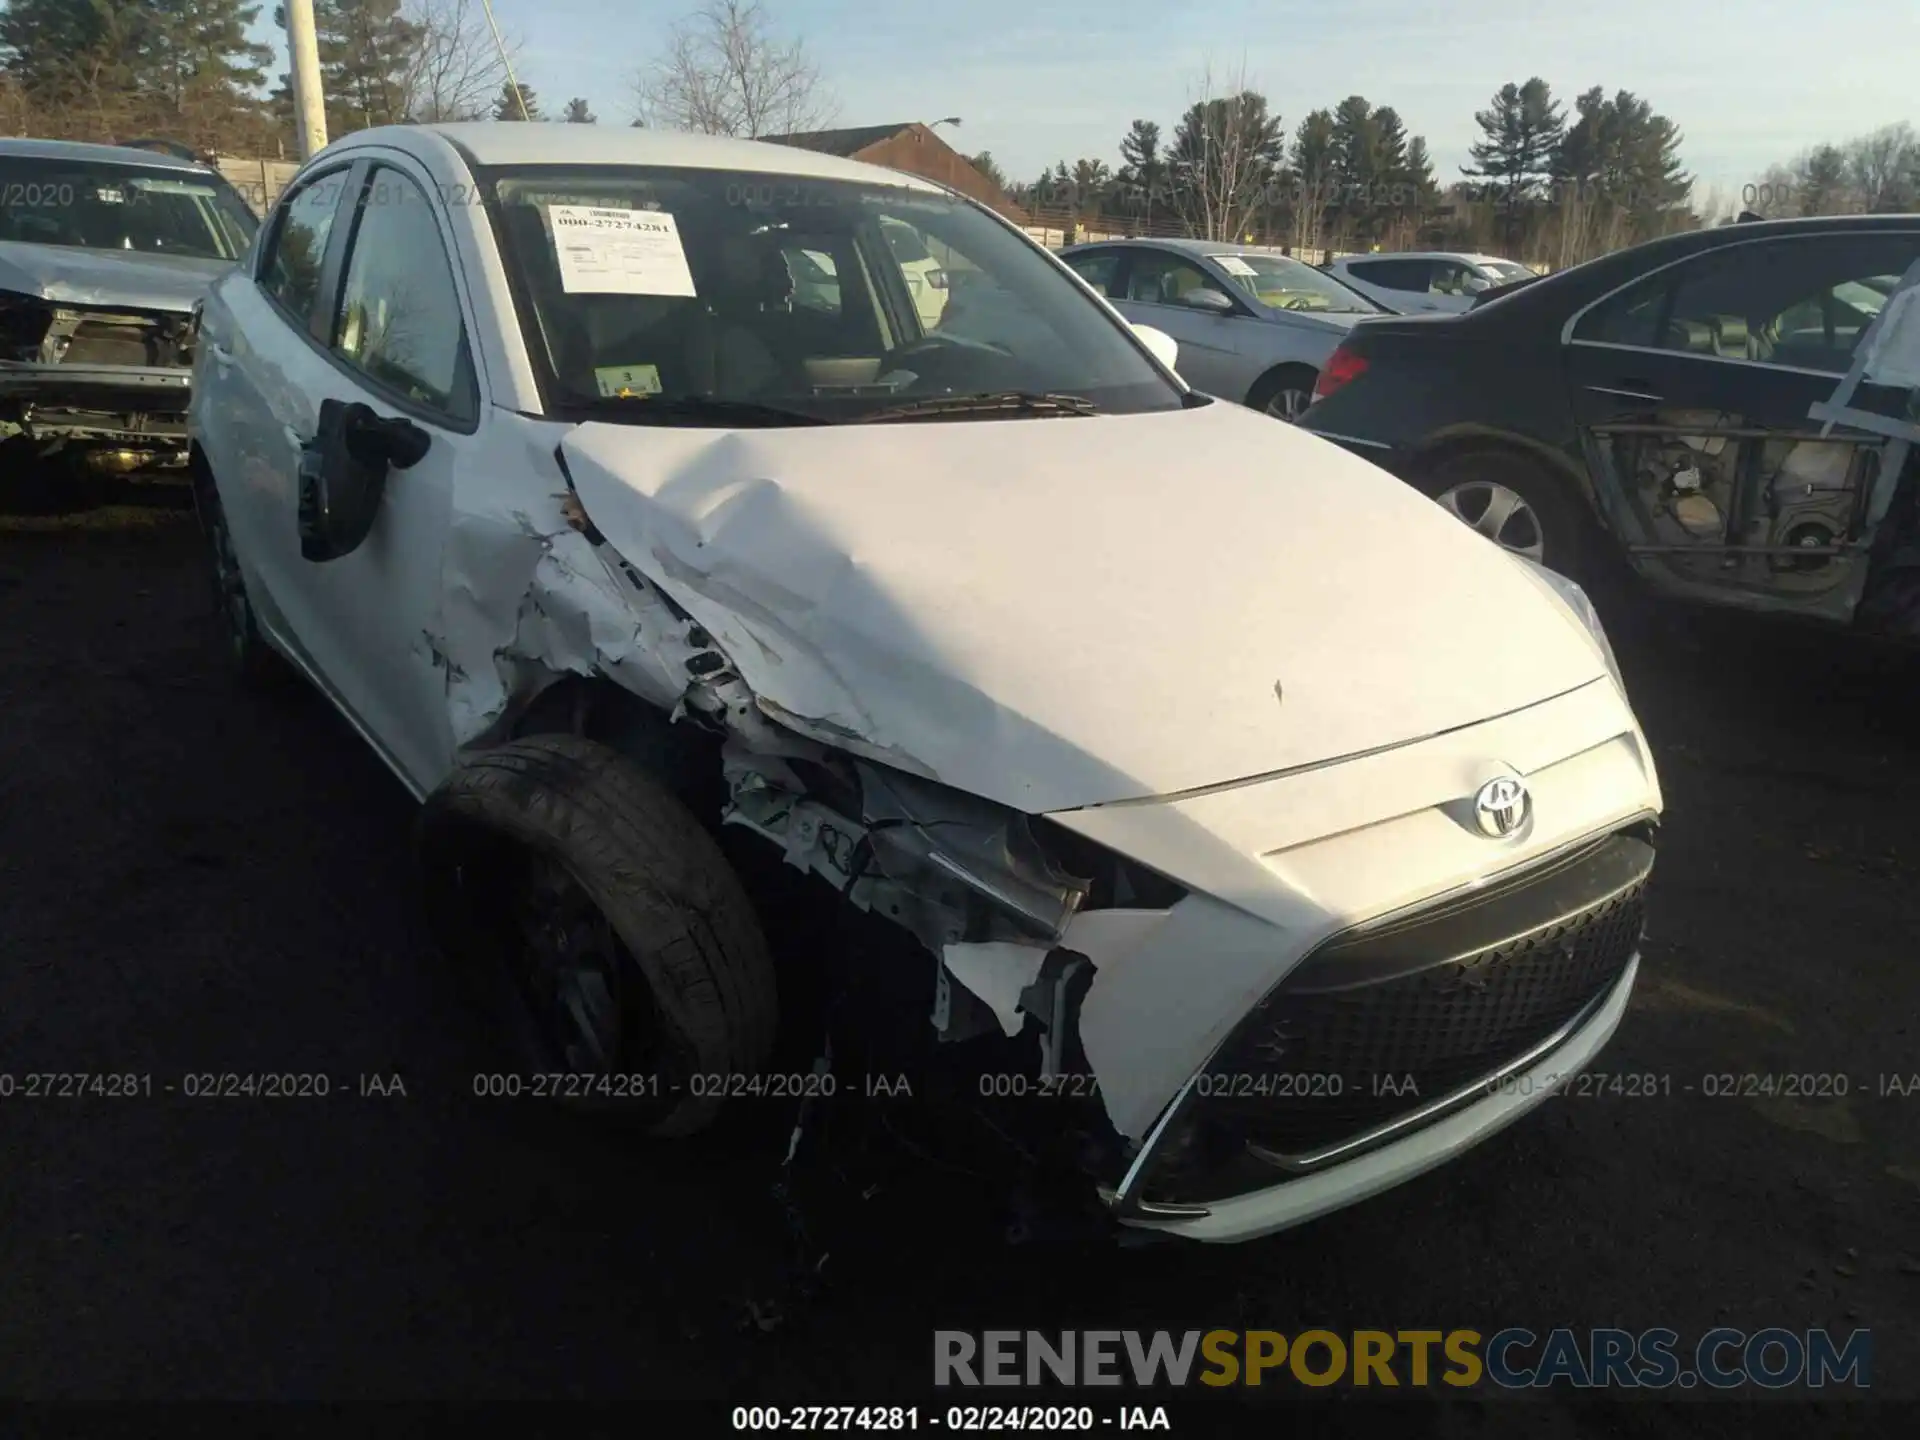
point(309, 103)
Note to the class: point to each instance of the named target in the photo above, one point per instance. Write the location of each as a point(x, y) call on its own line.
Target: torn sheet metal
point(998, 972)
point(927, 605)
point(526, 596)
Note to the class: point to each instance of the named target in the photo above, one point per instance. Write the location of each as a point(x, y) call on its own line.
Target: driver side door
point(391, 334)
point(1211, 343)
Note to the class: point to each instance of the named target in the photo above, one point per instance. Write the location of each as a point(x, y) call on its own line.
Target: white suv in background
point(1425, 280)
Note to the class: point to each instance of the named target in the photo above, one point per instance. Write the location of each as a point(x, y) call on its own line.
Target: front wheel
point(1514, 503)
point(253, 659)
point(603, 929)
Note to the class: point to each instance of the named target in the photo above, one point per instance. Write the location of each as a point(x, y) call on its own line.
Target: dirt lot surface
point(197, 881)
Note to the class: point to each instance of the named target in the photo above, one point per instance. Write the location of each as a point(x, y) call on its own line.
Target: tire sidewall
point(545, 820)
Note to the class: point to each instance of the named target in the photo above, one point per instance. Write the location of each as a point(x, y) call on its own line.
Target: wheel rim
point(590, 1005)
point(1289, 404)
point(1500, 514)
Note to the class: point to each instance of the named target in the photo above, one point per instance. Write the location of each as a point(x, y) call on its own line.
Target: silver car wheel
point(1499, 514)
point(1290, 404)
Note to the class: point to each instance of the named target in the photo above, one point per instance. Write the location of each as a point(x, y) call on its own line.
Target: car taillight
point(1343, 365)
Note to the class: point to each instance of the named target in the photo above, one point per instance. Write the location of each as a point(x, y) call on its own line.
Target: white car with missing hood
point(1296, 834)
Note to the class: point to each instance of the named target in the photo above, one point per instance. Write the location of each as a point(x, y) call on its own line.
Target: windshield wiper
point(692, 409)
point(994, 402)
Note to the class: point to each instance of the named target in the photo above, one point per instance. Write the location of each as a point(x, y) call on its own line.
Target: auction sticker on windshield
point(622, 382)
point(1234, 265)
point(619, 252)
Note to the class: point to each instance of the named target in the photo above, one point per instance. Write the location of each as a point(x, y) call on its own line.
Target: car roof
point(1181, 243)
point(512, 142)
point(1464, 256)
point(97, 154)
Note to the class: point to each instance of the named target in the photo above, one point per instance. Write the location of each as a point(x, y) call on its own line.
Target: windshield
point(92, 206)
point(1282, 283)
point(649, 294)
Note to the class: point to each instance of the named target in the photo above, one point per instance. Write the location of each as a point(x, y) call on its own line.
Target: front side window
point(1802, 302)
point(1099, 268)
point(90, 206)
point(1160, 277)
point(665, 295)
point(399, 318)
point(1282, 283)
point(299, 243)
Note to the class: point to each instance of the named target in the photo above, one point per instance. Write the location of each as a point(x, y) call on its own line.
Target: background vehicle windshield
point(830, 298)
point(1282, 283)
point(1505, 270)
point(122, 207)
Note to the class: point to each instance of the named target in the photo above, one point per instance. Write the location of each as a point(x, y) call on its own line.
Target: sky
point(1750, 82)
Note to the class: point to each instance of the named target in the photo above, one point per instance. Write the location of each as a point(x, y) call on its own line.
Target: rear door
point(1692, 388)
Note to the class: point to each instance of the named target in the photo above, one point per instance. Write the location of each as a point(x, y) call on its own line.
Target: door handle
point(221, 355)
point(1628, 390)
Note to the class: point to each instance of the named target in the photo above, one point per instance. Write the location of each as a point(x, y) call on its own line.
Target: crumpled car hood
point(1054, 613)
point(69, 275)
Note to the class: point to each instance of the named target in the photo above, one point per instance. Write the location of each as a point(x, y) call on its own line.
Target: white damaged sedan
point(613, 486)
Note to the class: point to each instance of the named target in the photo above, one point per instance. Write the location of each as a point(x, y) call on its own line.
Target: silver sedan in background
point(1254, 325)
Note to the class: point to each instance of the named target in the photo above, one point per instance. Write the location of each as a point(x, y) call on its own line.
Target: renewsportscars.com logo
point(1514, 1358)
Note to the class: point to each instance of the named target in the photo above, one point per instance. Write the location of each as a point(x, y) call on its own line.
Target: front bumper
point(108, 404)
point(1294, 1202)
point(1376, 1042)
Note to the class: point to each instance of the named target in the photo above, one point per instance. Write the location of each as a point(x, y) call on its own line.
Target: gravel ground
point(197, 880)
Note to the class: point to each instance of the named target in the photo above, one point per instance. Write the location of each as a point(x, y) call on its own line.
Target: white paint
point(976, 600)
point(973, 601)
point(619, 252)
point(997, 972)
point(1893, 357)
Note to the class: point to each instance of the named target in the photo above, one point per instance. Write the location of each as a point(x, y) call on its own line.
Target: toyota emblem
point(1500, 807)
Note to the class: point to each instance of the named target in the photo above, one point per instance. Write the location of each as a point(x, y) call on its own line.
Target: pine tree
point(1315, 185)
point(1355, 162)
point(201, 68)
point(367, 48)
point(1143, 168)
point(1523, 130)
point(577, 112)
point(516, 102)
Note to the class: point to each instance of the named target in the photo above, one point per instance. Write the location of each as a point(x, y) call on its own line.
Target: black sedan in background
point(1654, 404)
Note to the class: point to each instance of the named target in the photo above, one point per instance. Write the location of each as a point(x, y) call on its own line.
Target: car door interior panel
point(1694, 389)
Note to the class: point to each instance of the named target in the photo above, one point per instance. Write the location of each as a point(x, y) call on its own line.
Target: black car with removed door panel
point(1654, 403)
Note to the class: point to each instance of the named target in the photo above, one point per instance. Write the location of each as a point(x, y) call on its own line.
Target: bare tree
point(725, 72)
point(1225, 158)
point(458, 69)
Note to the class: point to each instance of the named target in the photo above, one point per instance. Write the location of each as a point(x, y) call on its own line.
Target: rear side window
point(299, 244)
point(1802, 302)
point(1394, 274)
point(1630, 318)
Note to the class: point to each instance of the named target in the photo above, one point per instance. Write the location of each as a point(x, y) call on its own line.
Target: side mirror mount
point(343, 475)
point(1163, 346)
point(1212, 301)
